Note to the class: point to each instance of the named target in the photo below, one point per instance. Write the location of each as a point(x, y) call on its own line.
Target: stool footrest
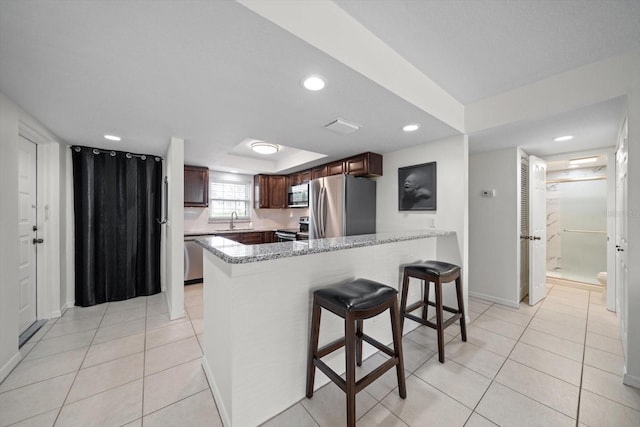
point(330, 348)
point(445, 308)
point(420, 304)
point(375, 374)
point(331, 374)
point(377, 344)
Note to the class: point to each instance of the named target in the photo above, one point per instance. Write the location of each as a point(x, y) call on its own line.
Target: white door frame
point(48, 200)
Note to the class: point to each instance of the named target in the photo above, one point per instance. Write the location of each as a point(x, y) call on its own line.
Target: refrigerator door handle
point(322, 212)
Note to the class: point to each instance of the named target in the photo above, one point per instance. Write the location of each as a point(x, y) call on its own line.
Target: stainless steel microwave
point(299, 196)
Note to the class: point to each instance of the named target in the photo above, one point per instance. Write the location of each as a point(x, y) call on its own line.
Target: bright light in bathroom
point(573, 166)
point(112, 138)
point(563, 138)
point(583, 160)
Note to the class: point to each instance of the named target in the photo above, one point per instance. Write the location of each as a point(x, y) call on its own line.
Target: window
point(229, 193)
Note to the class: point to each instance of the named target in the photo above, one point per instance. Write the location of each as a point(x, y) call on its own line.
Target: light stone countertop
point(237, 253)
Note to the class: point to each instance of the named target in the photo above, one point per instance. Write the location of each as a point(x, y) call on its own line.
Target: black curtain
point(117, 198)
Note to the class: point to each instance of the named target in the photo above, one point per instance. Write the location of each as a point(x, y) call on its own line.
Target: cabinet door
point(319, 172)
point(305, 176)
point(261, 191)
point(236, 237)
point(269, 237)
point(367, 164)
point(196, 186)
point(335, 168)
point(278, 191)
point(252, 238)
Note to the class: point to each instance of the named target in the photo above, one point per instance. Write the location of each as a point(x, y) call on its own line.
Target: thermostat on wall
point(488, 193)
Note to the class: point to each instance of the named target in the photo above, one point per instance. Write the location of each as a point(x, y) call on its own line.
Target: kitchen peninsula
point(257, 301)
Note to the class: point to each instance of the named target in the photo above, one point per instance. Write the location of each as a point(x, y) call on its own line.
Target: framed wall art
point(417, 187)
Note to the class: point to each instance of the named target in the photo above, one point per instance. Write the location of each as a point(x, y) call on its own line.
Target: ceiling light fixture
point(563, 138)
point(583, 160)
point(262, 147)
point(112, 138)
point(313, 83)
point(411, 128)
point(573, 166)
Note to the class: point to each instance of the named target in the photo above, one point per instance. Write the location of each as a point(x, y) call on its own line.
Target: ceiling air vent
point(342, 126)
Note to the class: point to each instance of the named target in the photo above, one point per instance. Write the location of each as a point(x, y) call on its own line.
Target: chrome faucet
point(231, 225)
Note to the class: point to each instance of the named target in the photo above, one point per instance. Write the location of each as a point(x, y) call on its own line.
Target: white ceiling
point(215, 73)
point(475, 49)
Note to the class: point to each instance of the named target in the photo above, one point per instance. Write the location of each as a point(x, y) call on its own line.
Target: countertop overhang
point(237, 253)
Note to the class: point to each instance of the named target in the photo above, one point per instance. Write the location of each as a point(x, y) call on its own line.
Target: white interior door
point(621, 232)
point(27, 209)
point(537, 230)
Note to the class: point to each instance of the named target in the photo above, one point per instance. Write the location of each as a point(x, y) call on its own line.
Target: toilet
point(602, 278)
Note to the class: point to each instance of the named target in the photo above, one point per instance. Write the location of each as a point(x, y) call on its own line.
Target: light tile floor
point(126, 364)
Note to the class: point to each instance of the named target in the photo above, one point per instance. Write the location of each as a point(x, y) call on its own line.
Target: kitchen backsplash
point(196, 220)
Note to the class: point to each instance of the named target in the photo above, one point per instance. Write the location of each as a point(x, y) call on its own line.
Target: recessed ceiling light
point(573, 166)
point(112, 138)
point(411, 128)
point(583, 160)
point(262, 147)
point(563, 138)
point(313, 83)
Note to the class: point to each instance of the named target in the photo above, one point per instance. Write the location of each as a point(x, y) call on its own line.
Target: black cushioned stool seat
point(437, 272)
point(355, 301)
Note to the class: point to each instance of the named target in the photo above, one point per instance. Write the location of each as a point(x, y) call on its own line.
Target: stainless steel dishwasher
point(192, 259)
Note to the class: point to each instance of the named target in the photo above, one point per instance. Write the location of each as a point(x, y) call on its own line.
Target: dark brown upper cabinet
point(196, 186)
point(366, 164)
point(270, 191)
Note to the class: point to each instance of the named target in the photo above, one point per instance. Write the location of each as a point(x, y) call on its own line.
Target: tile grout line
point(584, 351)
point(80, 367)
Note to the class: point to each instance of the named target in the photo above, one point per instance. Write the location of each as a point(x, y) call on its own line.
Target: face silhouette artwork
point(415, 192)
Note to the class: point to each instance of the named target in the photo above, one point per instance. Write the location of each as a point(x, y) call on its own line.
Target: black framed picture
point(417, 187)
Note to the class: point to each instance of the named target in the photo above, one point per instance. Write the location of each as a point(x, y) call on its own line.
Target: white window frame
point(230, 178)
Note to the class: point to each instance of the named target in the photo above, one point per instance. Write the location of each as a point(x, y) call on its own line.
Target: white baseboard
point(8, 367)
point(631, 380)
point(217, 396)
point(490, 298)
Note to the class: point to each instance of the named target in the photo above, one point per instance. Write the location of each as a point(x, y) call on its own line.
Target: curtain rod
point(113, 153)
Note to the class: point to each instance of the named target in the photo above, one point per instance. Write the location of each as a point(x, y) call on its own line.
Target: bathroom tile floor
point(126, 364)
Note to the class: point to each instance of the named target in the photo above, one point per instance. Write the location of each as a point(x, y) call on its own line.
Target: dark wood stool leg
point(403, 300)
point(313, 347)
point(359, 342)
point(439, 328)
point(350, 359)
point(397, 348)
point(426, 285)
point(463, 322)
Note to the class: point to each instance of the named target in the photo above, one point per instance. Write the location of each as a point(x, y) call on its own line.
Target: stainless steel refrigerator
point(341, 205)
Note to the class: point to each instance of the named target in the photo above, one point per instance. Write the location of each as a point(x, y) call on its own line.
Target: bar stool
point(437, 272)
point(355, 301)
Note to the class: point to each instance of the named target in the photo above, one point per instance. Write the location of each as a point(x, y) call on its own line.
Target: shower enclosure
point(576, 225)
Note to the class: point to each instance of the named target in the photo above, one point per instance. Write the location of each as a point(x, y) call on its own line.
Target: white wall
point(9, 115)
point(632, 376)
point(451, 155)
point(11, 120)
point(493, 226)
point(174, 230)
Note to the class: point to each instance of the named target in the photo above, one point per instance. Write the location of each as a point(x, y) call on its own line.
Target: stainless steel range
point(292, 234)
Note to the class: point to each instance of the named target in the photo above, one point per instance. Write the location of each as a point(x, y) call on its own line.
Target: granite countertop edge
point(236, 253)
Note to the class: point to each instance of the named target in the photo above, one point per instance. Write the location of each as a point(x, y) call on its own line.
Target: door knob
point(36, 241)
point(525, 237)
point(536, 238)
